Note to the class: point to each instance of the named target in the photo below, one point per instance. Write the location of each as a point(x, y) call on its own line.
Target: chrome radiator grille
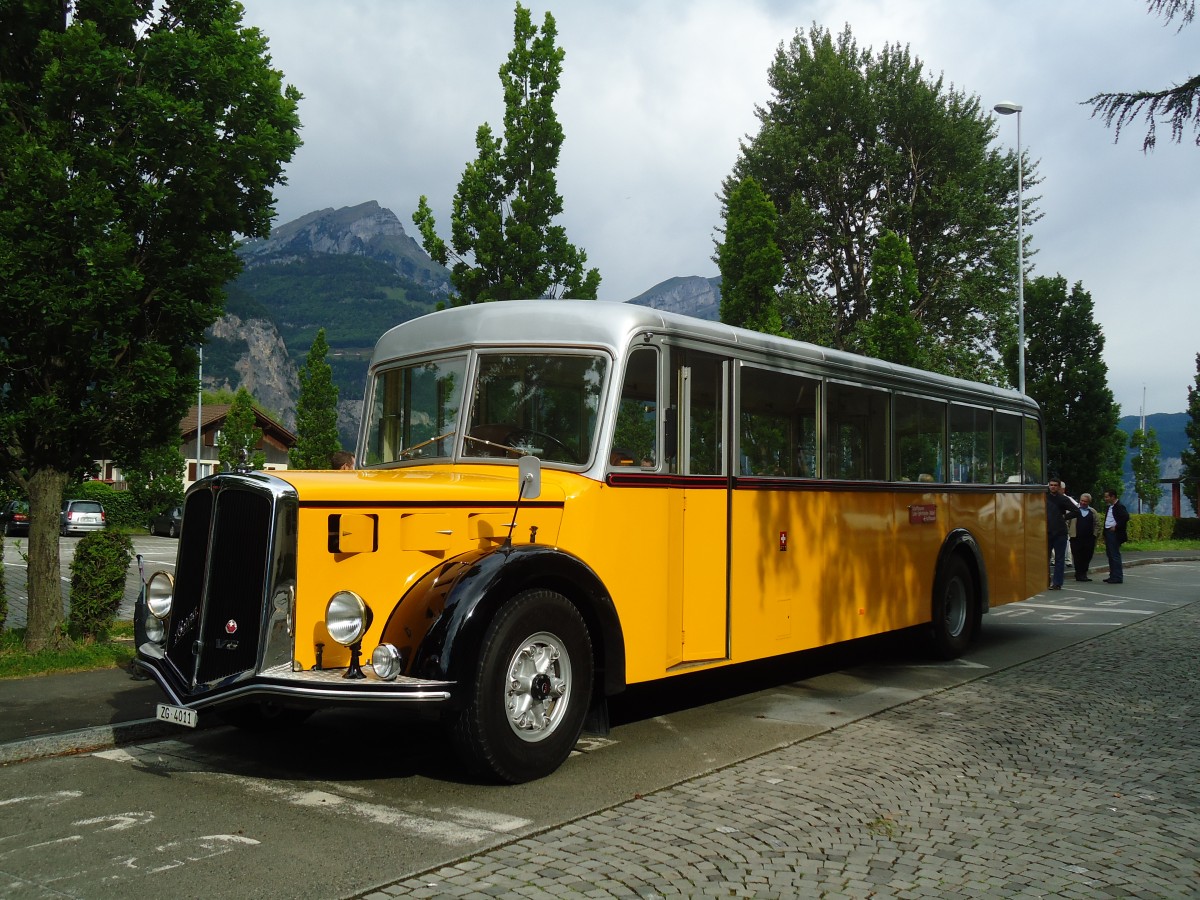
point(221, 582)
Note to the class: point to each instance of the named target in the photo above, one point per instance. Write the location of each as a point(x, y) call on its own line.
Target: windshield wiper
point(415, 447)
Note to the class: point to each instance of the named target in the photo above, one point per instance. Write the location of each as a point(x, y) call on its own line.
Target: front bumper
point(311, 689)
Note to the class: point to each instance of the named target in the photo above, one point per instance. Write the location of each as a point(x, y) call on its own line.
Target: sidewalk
point(52, 715)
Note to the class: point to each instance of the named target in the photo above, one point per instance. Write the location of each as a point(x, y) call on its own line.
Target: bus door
point(698, 517)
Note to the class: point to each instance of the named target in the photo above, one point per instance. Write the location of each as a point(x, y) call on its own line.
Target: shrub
point(1187, 529)
point(3, 595)
point(1149, 527)
point(98, 573)
point(120, 507)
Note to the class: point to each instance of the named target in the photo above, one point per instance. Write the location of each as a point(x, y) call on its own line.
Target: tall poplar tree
point(893, 332)
point(1147, 468)
point(1066, 374)
point(750, 262)
point(504, 244)
point(138, 141)
point(240, 435)
point(316, 410)
point(853, 145)
point(1190, 457)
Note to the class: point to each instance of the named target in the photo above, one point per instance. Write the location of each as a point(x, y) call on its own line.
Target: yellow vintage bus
point(557, 499)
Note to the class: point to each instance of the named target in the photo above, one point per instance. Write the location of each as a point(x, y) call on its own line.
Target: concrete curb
point(85, 740)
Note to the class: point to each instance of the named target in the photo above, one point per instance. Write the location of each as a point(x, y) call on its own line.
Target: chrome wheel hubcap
point(538, 687)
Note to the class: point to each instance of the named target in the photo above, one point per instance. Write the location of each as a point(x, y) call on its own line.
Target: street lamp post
point(1007, 109)
point(199, 409)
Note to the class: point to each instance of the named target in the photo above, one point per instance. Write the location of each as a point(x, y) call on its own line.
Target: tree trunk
point(45, 624)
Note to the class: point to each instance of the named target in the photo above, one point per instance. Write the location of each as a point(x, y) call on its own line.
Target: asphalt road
point(157, 553)
point(353, 804)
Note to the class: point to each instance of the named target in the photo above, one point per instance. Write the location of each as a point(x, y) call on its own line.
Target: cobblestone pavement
point(1073, 775)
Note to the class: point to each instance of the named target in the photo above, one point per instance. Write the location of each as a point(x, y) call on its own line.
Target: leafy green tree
point(1146, 468)
point(138, 141)
point(893, 332)
point(155, 479)
point(1177, 105)
point(750, 261)
point(854, 145)
point(240, 435)
point(1190, 456)
point(1067, 376)
point(504, 245)
point(316, 411)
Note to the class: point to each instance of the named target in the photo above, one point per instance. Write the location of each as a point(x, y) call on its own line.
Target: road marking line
point(1083, 609)
point(451, 825)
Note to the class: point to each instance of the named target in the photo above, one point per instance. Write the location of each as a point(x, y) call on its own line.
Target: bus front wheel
point(955, 610)
point(529, 695)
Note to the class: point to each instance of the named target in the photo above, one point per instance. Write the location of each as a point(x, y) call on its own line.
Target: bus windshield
point(546, 405)
point(414, 411)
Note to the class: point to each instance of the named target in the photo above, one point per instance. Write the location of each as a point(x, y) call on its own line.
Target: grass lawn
point(17, 662)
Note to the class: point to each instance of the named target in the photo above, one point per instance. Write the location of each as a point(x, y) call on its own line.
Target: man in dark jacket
point(1084, 532)
point(1058, 510)
point(1115, 534)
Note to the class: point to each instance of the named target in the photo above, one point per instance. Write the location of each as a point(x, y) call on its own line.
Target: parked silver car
point(79, 516)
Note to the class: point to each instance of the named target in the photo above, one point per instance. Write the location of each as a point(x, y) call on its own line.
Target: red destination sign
point(922, 513)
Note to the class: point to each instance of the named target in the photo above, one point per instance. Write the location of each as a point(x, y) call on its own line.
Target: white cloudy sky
point(657, 94)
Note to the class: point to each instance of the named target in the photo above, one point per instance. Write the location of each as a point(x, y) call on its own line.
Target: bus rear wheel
point(955, 610)
point(529, 696)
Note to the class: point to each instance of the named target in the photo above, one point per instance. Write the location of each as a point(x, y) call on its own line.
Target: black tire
point(955, 610)
point(529, 695)
point(173, 531)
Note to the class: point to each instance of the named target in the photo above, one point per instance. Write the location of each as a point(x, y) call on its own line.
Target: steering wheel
point(512, 439)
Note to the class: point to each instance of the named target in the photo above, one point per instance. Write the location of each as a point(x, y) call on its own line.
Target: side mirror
point(529, 469)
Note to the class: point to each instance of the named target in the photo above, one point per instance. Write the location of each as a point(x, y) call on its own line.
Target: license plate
point(178, 715)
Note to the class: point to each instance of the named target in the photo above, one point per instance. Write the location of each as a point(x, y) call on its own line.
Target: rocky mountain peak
point(689, 295)
point(367, 229)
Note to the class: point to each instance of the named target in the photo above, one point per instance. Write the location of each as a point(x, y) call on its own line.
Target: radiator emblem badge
point(231, 627)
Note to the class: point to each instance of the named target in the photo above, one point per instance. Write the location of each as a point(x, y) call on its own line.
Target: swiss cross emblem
point(231, 627)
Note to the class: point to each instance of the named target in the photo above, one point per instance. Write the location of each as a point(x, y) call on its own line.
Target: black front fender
point(439, 624)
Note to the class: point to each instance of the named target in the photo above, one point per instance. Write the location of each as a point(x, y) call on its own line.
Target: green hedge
point(120, 509)
point(1149, 527)
point(3, 595)
point(1187, 529)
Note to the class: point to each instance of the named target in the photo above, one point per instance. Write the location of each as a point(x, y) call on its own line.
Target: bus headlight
point(387, 662)
point(347, 618)
point(160, 593)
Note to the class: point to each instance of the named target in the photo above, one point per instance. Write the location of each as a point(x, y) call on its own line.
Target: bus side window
point(1008, 449)
point(970, 444)
point(856, 435)
point(920, 439)
point(777, 431)
point(635, 434)
point(1033, 451)
point(698, 388)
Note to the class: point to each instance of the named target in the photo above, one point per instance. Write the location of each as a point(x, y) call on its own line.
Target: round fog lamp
point(386, 662)
point(347, 617)
point(160, 591)
point(156, 631)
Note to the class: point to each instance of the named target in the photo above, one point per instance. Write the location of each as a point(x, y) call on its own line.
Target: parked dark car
point(168, 522)
point(15, 518)
point(81, 515)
